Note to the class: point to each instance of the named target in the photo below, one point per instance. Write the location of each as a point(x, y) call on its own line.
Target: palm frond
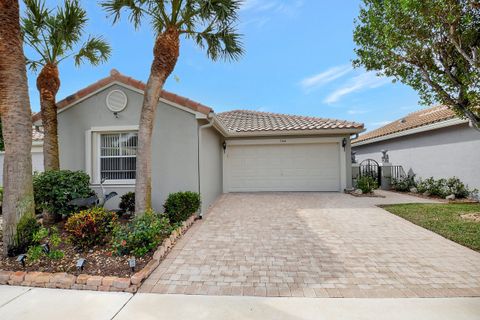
point(96, 50)
point(135, 7)
point(33, 65)
point(56, 34)
point(218, 18)
point(224, 44)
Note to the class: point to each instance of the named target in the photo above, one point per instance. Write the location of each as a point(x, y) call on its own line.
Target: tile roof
point(238, 121)
point(117, 76)
point(413, 120)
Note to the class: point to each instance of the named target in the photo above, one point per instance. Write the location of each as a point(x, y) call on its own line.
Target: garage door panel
point(293, 167)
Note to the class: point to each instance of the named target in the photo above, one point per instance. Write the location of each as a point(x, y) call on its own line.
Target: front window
point(118, 155)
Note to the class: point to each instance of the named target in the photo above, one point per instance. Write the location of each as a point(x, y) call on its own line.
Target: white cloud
point(271, 5)
point(260, 12)
point(356, 111)
point(366, 80)
point(325, 77)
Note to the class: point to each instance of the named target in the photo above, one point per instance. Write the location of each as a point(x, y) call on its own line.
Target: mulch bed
point(99, 260)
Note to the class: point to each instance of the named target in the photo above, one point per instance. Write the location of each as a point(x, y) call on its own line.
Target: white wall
point(37, 162)
point(440, 153)
point(211, 167)
point(174, 149)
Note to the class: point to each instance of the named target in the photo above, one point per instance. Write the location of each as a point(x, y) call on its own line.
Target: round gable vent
point(116, 101)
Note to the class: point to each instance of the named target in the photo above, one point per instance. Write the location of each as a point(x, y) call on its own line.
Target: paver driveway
point(314, 245)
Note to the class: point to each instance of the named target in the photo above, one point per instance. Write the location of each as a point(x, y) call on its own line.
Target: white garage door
point(289, 167)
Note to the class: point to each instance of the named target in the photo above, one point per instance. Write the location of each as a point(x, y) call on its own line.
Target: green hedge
point(180, 206)
point(54, 189)
point(143, 234)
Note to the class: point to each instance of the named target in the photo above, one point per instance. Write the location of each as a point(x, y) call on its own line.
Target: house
point(431, 142)
point(196, 149)
point(37, 153)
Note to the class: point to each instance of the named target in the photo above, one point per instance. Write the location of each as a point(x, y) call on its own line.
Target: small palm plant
point(56, 35)
point(210, 23)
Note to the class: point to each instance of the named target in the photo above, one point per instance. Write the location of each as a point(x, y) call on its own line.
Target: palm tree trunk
point(17, 124)
point(166, 52)
point(48, 83)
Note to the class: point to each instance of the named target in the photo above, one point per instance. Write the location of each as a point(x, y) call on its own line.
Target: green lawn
point(443, 219)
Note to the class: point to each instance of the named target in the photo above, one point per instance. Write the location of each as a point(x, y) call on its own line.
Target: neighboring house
point(37, 153)
point(195, 149)
point(431, 142)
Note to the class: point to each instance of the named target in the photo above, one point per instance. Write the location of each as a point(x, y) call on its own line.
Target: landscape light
point(46, 248)
point(131, 264)
point(80, 263)
point(21, 258)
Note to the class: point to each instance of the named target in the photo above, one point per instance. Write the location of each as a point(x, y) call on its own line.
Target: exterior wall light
point(224, 145)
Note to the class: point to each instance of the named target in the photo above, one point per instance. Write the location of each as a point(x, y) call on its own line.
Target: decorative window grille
point(118, 155)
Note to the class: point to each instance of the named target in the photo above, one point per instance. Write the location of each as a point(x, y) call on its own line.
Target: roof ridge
point(418, 118)
point(243, 120)
point(288, 114)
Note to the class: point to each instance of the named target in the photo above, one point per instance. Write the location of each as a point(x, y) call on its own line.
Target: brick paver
point(314, 245)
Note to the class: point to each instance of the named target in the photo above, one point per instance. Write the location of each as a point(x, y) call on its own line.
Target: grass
point(444, 219)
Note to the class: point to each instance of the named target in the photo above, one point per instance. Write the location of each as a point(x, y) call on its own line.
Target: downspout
point(199, 139)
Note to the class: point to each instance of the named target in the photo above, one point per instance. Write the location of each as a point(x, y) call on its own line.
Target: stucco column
point(386, 176)
point(355, 174)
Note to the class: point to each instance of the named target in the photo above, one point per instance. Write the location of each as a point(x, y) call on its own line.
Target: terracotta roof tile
point(117, 76)
point(413, 120)
point(255, 121)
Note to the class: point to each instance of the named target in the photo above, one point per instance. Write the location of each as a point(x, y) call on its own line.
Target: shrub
point(180, 206)
point(433, 187)
point(26, 229)
point(457, 187)
point(54, 189)
point(141, 235)
point(444, 187)
point(403, 183)
point(90, 227)
point(367, 184)
point(43, 235)
point(127, 202)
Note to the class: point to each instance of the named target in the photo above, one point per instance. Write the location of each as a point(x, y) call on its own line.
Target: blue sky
point(297, 61)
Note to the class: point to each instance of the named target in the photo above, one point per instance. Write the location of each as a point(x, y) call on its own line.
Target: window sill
point(115, 183)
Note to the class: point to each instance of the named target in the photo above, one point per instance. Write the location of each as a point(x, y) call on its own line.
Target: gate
point(370, 167)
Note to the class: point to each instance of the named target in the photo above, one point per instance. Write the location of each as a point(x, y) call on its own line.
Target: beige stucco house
point(196, 149)
point(432, 142)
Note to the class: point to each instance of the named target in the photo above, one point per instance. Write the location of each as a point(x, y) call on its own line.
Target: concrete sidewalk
point(35, 303)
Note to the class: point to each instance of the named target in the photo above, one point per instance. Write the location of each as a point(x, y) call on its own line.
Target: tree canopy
point(56, 35)
point(210, 23)
point(431, 45)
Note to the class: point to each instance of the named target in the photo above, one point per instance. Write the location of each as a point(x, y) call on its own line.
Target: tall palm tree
point(55, 35)
point(16, 124)
point(210, 23)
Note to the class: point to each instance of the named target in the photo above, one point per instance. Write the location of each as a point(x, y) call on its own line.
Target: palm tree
point(17, 124)
point(55, 35)
point(210, 23)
